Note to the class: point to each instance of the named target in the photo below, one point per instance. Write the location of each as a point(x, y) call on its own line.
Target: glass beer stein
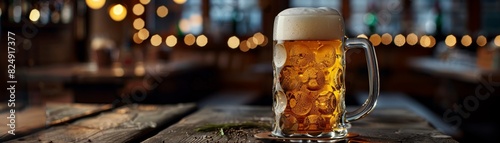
point(309, 68)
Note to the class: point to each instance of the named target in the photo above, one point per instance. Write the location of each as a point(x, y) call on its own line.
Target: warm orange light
point(259, 37)
point(425, 41)
point(136, 38)
point(138, 23)
point(180, 1)
point(34, 15)
point(201, 40)
point(466, 40)
point(375, 39)
point(171, 41)
point(450, 41)
point(143, 34)
point(481, 41)
point(497, 41)
point(162, 11)
point(95, 4)
point(244, 46)
point(399, 40)
point(189, 39)
point(145, 2)
point(412, 39)
point(386, 38)
point(433, 41)
point(156, 40)
point(233, 42)
point(251, 43)
point(184, 25)
point(138, 9)
point(118, 12)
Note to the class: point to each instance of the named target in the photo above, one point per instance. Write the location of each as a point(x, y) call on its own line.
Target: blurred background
point(439, 58)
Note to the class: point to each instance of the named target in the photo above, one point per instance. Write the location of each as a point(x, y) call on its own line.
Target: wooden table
point(179, 123)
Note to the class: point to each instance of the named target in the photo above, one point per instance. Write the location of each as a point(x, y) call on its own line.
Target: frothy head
point(305, 23)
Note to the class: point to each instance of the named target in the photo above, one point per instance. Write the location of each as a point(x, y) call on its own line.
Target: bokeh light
point(412, 39)
point(171, 41)
point(138, 23)
point(450, 41)
point(136, 38)
point(466, 40)
point(497, 41)
point(244, 46)
point(399, 40)
point(189, 39)
point(156, 40)
point(143, 34)
point(34, 15)
point(481, 40)
point(145, 2)
point(201, 40)
point(162, 11)
point(233, 42)
point(386, 38)
point(259, 37)
point(118, 12)
point(180, 1)
point(95, 4)
point(425, 41)
point(375, 39)
point(138, 9)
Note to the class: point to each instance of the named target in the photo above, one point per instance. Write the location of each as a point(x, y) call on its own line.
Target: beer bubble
point(326, 55)
point(300, 55)
point(316, 78)
point(314, 123)
point(288, 79)
point(289, 124)
point(279, 55)
point(303, 105)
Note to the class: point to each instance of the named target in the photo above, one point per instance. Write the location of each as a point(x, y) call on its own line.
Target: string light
point(375, 39)
point(156, 40)
point(171, 41)
point(386, 38)
point(201, 40)
point(189, 39)
point(466, 40)
point(450, 41)
point(118, 12)
point(233, 42)
point(399, 40)
point(95, 4)
point(162, 11)
point(412, 39)
point(138, 9)
point(481, 40)
point(34, 15)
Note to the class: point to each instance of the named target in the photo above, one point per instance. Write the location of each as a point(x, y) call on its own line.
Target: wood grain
point(35, 118)
point(185, 130)
point(382, 125)
point(131, 123)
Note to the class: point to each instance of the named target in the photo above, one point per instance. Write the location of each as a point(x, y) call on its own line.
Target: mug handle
point(373, 75)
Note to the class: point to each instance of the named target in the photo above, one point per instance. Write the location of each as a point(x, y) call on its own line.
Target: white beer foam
point(305, 23)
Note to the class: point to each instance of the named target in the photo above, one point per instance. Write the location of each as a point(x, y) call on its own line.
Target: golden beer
point(311, 81)
point(309, 67)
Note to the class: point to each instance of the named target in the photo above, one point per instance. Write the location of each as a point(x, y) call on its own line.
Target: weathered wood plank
point(58, 113)
point(382, 125)
point(125, 124)
point(185, 130)
point(35, 118)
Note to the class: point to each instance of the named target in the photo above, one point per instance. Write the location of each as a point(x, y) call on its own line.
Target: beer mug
point(309, 68)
